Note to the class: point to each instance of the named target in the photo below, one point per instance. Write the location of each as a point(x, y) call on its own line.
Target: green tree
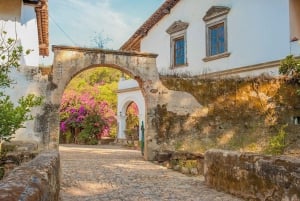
point(12, 116)
point(290, 66)
point(99, 40)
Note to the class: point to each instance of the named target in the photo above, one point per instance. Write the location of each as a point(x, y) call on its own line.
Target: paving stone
point(112, 173)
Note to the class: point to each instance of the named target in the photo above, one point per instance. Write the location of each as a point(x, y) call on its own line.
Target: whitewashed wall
point(258, 32)
point(19, 21)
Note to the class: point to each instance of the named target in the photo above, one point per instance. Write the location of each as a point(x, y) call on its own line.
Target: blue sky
point(83, 19)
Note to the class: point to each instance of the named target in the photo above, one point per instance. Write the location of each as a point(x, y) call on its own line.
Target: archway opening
point(132, 122)
point(88, 110)
point(69, 61)
point(131, 112)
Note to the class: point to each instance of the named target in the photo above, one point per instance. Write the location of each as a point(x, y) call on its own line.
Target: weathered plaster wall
point(29, 80)
point(37, 180)
point(252, 176)
point(236, 114)
point(19, 21)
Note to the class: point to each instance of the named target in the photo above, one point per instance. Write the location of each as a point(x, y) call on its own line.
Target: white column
point(122, 125)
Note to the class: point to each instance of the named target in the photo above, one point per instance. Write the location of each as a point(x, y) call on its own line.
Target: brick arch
point(70, 61)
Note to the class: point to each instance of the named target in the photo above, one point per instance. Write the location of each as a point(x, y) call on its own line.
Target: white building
point(128, 92)
point(27, 22)
point(217, 38)
point(224, 37)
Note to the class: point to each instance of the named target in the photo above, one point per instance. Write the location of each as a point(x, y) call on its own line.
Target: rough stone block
point(38, 179)
point(194, 171)
point(253, 176)
point(163, 156)
point(19, 146)
point(185, 170)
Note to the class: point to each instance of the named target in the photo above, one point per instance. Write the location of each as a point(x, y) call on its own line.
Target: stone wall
point(236, 114)
point(38, 179)
point(252, 176)
point(184, 162)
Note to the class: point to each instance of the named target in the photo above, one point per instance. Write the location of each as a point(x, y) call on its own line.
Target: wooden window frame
point(177, 31)
point(175, 51)
point(175, 37)
point(210, 40)
point(216, 16)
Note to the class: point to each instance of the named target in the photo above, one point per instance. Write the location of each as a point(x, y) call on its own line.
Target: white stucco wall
point(131, 94)
point(258, 32)
point(29, 35)
point(19, 21)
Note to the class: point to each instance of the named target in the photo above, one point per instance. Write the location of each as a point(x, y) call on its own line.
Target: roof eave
point(133, 43)
point(43, 27)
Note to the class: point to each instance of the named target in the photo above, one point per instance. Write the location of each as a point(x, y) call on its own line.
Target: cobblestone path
point(94, 173)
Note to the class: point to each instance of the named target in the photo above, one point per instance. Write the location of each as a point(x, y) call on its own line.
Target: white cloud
point(81, 19)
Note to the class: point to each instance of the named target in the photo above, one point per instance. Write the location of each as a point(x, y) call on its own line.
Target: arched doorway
point(128, 94)
point(69, 61)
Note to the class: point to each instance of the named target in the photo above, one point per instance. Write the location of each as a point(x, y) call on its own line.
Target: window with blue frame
point(216, 34)
point(177, 32)
point(179, 51)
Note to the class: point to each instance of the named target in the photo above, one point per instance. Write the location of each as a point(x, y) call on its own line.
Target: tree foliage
point(290, 66)
point(12, 117)
point(99, 40)
point(89, 106)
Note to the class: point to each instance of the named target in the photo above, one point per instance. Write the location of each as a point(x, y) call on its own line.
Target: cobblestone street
point(93, 173)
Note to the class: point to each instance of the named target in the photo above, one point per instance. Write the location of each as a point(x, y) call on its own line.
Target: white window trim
point(173, 37)
point(213, 20)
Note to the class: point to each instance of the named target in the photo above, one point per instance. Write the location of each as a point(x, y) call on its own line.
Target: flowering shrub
point(85, 117)
point(132, 112)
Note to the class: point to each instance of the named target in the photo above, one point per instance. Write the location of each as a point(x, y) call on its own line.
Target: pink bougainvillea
point(84, 113)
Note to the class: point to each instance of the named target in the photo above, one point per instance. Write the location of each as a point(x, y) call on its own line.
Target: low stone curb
point(38, 179)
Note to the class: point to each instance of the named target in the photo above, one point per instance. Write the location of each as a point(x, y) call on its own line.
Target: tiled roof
point(133, 43)
point(43, 30)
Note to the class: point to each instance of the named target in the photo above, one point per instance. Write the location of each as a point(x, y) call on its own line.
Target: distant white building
point(220, 37)
point(216, 38)
point(27, 22)
point(128, 92)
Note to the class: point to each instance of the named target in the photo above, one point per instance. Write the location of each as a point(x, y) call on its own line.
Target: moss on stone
point(243, 114)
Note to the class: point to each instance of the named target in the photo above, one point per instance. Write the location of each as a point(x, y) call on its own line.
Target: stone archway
point(69, 61)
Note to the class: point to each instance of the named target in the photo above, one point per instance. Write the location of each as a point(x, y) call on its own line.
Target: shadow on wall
point(237, 114)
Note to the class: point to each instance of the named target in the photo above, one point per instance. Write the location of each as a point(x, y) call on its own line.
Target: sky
point(76, 22)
